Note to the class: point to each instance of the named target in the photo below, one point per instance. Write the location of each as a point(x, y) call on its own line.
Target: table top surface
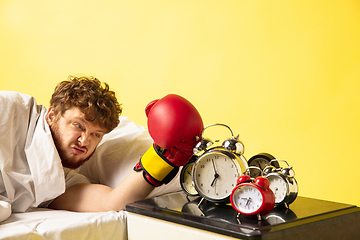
point(222, 218)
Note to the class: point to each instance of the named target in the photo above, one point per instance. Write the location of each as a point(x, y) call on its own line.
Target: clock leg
point(238, 220)
point(283, 205)
point(259, 217)
point(200, 202)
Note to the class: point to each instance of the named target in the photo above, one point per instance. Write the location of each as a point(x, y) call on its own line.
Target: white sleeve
point(72, 178)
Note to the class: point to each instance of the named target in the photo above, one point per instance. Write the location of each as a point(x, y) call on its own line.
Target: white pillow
point(118, 153)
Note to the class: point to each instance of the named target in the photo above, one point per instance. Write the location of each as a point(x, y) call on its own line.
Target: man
point(38, 147)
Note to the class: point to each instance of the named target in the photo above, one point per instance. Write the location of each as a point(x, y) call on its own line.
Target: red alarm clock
point(252, 197)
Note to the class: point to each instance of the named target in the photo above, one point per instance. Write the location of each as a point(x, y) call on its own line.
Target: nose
point(84, 139)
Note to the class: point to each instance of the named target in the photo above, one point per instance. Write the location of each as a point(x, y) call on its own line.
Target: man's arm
point(177, 133)
point(86, 197)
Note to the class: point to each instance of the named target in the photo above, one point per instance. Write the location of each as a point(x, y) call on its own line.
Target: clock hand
point(215, 177)
point(214, 166)
point(248, 201)
point(275, 191)
point(212, 183)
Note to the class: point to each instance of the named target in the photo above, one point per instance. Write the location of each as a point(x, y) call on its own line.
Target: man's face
point(75, 138)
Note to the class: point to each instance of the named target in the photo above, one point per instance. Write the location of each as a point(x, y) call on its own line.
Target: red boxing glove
point(174, 124)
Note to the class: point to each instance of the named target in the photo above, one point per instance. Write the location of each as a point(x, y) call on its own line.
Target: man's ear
point(50, 116)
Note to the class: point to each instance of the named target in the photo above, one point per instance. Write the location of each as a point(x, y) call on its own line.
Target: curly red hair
point(93, 98)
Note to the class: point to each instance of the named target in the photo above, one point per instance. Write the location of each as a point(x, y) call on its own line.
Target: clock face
point(279, 187)
point(214, 175)
point(186, 180)
point(261, 161)
point(247, 199)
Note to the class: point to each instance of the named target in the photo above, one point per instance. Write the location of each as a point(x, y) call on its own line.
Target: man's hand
point(175, 126)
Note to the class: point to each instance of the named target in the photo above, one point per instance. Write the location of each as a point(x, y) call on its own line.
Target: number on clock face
point(215, 176)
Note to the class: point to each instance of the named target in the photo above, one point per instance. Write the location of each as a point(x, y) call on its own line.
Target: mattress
point(41, 223)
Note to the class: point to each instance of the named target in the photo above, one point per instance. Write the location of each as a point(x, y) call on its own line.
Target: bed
point(42, 223)
point(114, 158)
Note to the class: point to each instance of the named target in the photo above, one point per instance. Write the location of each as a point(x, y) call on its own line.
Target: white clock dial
point(247, 199)
point(279, 187)
point(215, 175)
point(186, 180)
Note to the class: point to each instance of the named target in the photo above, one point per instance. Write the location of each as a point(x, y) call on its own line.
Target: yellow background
point(282, 74)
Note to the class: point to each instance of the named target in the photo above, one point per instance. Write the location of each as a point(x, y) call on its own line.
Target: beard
point(68, 160)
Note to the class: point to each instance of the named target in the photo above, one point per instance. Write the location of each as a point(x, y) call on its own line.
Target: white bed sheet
point(41, 223)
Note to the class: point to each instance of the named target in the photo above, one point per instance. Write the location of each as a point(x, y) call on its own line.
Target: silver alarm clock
point(216, 170)
point(282, 183)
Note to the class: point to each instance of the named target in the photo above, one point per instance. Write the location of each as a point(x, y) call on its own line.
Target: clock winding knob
point(269, 169)
point(234, 145)
point(263, 182)
point(288, 172)
point(242, 179)
point(203, 145)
